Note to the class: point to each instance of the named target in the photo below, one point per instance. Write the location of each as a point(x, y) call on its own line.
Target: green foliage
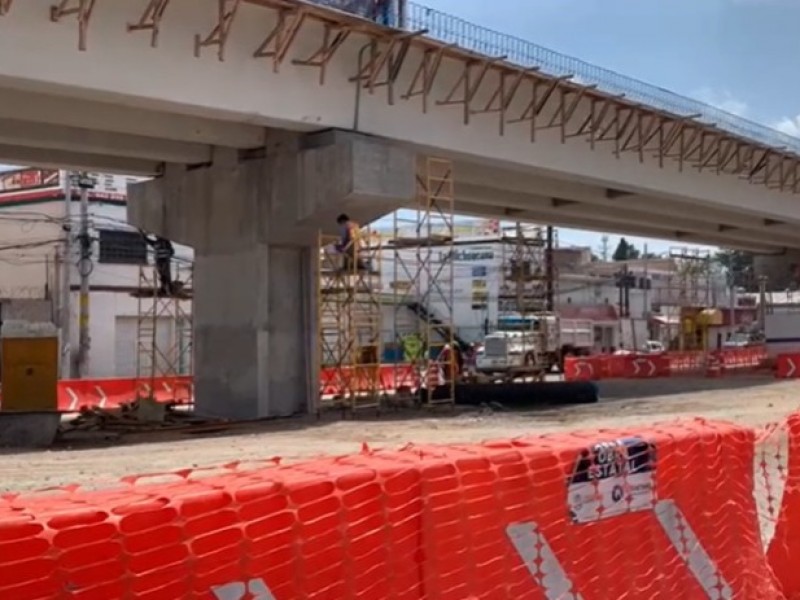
point(625, 251)
point(738, 267)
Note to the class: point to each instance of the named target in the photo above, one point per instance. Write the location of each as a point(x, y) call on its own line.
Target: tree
point(625, 251)
point(738, 267)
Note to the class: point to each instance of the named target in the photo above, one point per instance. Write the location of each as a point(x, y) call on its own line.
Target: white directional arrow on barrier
point(792, 367)
point(637, 366)
point(550, 576)
point(542, 564)
point(579, 366)
point(238, 590)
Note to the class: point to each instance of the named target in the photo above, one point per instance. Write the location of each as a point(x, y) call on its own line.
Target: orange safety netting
point(660, 512)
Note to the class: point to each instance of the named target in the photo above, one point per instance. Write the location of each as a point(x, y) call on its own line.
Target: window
point(122, 247)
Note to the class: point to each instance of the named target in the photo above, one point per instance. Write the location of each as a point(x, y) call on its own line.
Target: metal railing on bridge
point(469, 36)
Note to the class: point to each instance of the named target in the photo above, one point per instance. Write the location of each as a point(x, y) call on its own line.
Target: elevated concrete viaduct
point(262, 119)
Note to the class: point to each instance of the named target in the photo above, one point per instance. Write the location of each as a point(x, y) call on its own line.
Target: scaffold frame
point(424, 283)
point(155, 359)
point(527, 287)
point(691, 283)
point(349, 322)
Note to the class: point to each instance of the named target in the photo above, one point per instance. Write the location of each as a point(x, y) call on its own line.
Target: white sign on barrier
point(612, 478)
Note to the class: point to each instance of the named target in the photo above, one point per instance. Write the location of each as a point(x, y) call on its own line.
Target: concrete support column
point(254, 337)
point(254, 225)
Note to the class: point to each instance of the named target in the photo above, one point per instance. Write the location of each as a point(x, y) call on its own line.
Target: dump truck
point(533, 344)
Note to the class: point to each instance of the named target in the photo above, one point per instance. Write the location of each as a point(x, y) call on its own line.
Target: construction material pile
point(141, 415)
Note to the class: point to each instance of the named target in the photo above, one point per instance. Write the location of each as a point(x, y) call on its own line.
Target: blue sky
point(729, 53)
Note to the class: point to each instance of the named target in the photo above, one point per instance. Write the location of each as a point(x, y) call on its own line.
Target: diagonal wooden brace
point(151, 20)
point(227, 10)
point(83, 11)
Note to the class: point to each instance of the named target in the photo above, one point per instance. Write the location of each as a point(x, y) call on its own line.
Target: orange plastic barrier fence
point(787, 366)
point(341, 381)
point(778, 469)
point(689, 362)
point(660, 513)
point(74, 394)
point(582, 368)
point(742, 358)
point(646, 366)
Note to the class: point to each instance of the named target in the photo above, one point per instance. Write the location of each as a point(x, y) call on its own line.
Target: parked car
point(653, 347)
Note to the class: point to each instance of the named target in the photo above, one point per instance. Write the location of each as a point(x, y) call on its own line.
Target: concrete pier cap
point(253, 220)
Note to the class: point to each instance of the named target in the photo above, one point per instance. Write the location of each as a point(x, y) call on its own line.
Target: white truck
point(533, 343)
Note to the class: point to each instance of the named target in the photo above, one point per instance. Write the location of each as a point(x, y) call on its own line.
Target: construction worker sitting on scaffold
point(349, 244)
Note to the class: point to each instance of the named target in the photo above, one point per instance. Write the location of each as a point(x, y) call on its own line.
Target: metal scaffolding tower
point(527, 290)
point(163, 327)
point(691, 284)
point(524, 286)
point(349, 322)
point(423, 283)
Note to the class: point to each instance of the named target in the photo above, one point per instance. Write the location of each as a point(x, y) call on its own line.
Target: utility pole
point(762, 304)
point(646, 291)
point(550, 270)
point(604, 248)
point(65, 316)
point(85, 183)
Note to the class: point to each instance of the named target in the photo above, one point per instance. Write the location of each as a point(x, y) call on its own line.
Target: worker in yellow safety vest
point(349, 243)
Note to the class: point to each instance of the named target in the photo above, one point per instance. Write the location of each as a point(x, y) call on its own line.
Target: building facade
point(629, 302)
point(37, 263)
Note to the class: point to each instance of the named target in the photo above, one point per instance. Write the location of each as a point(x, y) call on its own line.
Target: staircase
point(431, 319)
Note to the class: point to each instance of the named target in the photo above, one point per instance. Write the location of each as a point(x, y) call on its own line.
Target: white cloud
point(789, 126)
point(723, 100)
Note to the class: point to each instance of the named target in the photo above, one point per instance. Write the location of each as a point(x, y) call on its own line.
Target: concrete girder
point(14, 132)
point(524, 181)
point(659, 208)
point(682, 220)
point(107, 116)
point(79, 161)
point(589, 213)
point(479, 209)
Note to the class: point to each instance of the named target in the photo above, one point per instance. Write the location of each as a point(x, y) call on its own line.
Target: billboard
point(28, 179)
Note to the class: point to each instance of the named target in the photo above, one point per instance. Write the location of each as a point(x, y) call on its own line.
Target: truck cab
point(532, 344)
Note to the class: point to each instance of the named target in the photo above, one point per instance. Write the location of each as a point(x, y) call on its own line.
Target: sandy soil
point(752, 400)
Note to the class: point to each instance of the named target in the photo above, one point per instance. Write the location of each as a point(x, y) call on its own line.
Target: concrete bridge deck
point(580, 145)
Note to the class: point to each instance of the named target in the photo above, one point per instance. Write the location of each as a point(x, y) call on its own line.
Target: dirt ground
point(752, 400)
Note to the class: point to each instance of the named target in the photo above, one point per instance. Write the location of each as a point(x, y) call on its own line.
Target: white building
point(585, 289)
point(34, 226)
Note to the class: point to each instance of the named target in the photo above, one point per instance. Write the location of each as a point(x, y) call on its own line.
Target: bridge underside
point(48, 130)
